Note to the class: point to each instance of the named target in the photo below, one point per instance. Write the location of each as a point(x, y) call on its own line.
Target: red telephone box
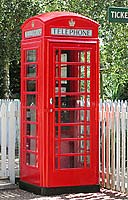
point(59, 104)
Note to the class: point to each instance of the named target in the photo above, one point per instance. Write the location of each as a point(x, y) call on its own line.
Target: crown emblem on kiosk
point(33, 24)
point(72, 23)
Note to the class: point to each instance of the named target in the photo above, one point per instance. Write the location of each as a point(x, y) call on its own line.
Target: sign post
point(118, 14)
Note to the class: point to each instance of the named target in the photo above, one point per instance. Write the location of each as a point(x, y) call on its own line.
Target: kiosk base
point(58, 190)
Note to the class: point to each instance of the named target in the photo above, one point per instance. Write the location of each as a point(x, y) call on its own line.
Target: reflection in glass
point(63, 57)
point(65, 116)
point(82, 86)
point(82, 56)
point(87, 145)
point(88, 101)
point(31, 144)
point(88, 161)
point(64, 72)
point(88, 86)
point(71, 162)
point(31, 129)
point(31, 85)
point(72, 116)
point(88, 56)
point(71, 131)
point(31, 55)
point(31, 70)
point(88, 115)
point(68, 101)
point(31, 159)
point(82, 72)
point(72, 146)
point(88, 130)
point(73, 86)
point(31, 99)
point(88, 71)
point(74, 71)
point(31, 115)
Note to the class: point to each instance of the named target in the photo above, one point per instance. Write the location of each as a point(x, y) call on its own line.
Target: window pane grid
point(30, 107)
point(72, 79)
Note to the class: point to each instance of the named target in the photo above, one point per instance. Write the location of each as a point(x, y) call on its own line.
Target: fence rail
point(113, 130)
point(114, 145)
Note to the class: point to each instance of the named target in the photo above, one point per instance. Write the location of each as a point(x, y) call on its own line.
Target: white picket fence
point(9, 139)
point(113, 152)
point(114, 145)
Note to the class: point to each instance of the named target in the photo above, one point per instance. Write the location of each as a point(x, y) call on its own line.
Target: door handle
point(51, 101)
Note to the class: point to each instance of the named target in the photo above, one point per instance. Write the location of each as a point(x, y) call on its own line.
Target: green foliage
point(113, 37)
point(12, 15)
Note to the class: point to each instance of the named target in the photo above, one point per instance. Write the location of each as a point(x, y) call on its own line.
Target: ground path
point(104, 194)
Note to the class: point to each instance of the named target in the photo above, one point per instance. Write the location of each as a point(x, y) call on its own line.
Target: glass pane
point(72, 116)
point(88, 101)
point(88, 161)
point(64, 57)
point(56, 162)
point(82, 86)
point(88, 130)
point(88, 56)
point(56, 116)
point(65, 116)
point(31, 115)
point(72, 146)
point(72, 86)
point(88, 71)
point(31, 56)
point(71, 101)
point(56, 131)
point(71, 162)
point(31, 159)
point(88, 116)
point(71, 131)
point(87, 145)
point(63, 89)
point(31, 129)
point(31, 99)
point(88, 86)
point(75, 86)
point(31, 85)
point(63, 72)
point(31, 70)
point(74, 71)
point(31, 144)
point(82, 56)
point(57, 55)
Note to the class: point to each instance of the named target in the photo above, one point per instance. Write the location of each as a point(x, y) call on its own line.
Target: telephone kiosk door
point(73, 148)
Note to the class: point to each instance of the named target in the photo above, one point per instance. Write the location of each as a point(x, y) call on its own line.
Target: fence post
point(123, 124)
point(118, 146)
point(103, 145)
point(3, 139)
point(113, 145)
point(107, 145)
point(11, 148)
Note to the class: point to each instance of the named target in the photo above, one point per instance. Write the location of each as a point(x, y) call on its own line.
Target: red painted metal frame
point(43, 174)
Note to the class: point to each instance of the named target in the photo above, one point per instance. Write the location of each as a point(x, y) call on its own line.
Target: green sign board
point(118, 14)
